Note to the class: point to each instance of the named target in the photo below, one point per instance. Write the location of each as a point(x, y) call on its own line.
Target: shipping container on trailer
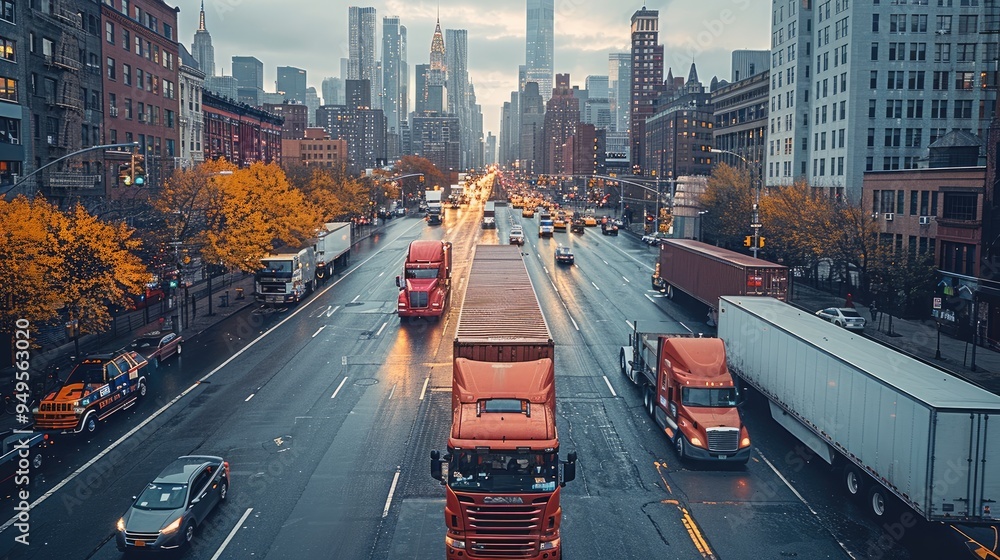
point(706, 272)
point(902, 431)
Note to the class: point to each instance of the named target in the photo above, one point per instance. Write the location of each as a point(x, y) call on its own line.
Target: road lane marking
point(392, 490)
point(606, 262)
point(630, 325)
point(302, 308)
point(381, 274)
point(649, 298)
point(803, 500)
point(343, 360)
point(250, 397)
point(393, 392)
point(627, 280)
point(545, 269)
point(610, 388)
point(319, 330)
point(554, 286)
point(379, 333)
point(574, 323)
point(232, 534)
point(344, 380)
point(355, 298)
point(332, 311)
point(595, 285)
point(424, 390)
point(695, 533)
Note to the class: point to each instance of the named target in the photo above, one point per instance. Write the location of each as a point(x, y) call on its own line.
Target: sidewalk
point(919, 339)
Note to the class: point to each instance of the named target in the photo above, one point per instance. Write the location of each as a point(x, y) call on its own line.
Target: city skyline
point(585, 32)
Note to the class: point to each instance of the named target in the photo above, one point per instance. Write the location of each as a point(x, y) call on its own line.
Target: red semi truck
point(706, 272)
point(687, 390)
point(502, 472)
point(425, 286)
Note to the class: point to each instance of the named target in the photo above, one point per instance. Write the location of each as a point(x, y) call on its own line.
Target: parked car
point(157, 346)
point(516, 236)
point(654, 238)
point(564, 255)
point(167, 512)
point(14, 446)
point(846, 317)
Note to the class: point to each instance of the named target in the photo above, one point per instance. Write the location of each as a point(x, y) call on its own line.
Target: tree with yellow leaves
point(28, 261)
point(728, 197)
point(237, 216)
point(799, 224)
point(98, 268)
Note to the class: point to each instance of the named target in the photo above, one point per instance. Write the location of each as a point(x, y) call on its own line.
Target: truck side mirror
point(436, 464)
point(569, 469)
point(398, 284)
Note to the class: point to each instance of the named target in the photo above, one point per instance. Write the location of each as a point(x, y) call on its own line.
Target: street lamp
point(755, 219)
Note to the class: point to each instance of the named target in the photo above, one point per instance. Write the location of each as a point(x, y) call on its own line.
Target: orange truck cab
point(687, 390)
point(425, 286)
point(98, 386)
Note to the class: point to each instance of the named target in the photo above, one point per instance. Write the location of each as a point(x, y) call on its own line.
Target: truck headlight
point(121, 524)
point(696, 441)
point(549, 545)
point(454, 543)
point(78, 410)
point(745, 442)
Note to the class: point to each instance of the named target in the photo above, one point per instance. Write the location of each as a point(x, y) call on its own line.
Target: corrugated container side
point(501, 319)
point(943, 460)
point(886, 432)
point(706, 272)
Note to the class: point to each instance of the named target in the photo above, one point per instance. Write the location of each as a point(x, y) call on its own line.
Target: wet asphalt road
point(327, 413)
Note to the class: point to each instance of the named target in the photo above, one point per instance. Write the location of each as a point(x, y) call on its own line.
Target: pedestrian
point(849, 302)
point(873, 310)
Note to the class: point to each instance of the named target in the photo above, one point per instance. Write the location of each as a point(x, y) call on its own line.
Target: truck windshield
point(278, 266)
point(87, 373)
point(508, 471)
point(421, 273)
point(708, 397)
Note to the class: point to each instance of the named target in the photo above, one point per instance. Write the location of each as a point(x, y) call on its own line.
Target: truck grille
point(55, 407)
point(418, 299)
point(504, 531)
point(723, 440)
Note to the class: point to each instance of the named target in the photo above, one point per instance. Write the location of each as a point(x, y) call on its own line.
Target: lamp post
point(755, 218)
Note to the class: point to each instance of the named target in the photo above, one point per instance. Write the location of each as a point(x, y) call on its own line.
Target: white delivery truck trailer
point(333, 249)
point(901, 432)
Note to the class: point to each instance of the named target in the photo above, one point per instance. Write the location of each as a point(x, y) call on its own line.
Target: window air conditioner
point(889, 216)
point(924, 220)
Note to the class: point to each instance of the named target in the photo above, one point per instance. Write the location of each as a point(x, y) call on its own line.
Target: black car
point(167, 512)
point(564, 255)
point(157, 346)
point(609, 228)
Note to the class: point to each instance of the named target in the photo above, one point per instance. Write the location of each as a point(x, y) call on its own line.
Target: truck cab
point(426, 282)
point(688, 391)
point(98, 386)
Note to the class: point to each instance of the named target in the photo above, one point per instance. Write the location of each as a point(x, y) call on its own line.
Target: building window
point(873, 80)
point(7, 10)
point(874, 51)
point(894, 79)
point(939, 108)
point(894, 109)
point(8, 89)
point(111, 68)
point(940, 81)
point(918, 52)
point(959, 206)
point(942, 52)
point(168, 32)
point(109, 32)
point(915, 109)
point(965, 52)
point(915, 80)
point(126, 74)
point(963, 109)
point(7, 51)
point(128, 111)
point(965, 80)
point(871, 108)
point(126, 39)
point(892, 136)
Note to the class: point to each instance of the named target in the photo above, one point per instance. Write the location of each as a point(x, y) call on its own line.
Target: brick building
point(317, 148)
point(240, 133)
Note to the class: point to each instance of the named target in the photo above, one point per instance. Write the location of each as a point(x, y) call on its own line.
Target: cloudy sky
point(312, 34)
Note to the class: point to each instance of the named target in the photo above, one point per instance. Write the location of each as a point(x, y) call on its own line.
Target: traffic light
point(748, 241)
point(421, 179)
point(761, 242)
point(139, 170)
point(125, 174)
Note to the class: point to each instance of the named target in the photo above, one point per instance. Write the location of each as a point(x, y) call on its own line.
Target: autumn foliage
point(69, 262)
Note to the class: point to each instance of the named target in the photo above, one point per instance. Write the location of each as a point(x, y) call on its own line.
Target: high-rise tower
point(458, 89)
point(392, 74)
point(540, 45)
point(361, 46)
point(647, 78)
point(202, 49)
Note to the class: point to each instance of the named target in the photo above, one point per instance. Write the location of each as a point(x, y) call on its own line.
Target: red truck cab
point(689, 392)
point(425, 286)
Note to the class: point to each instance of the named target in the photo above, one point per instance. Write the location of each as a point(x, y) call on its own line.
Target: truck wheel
point(142, 389)
point(90, 424)
point(670, 292)
point(621, 362)
point(37, 461)
point(853, 481)
point(880, 503)
point(681, 446)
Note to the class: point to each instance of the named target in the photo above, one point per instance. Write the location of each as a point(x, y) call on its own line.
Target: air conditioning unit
point(114, 111)
point(889, 216)
point(924, 220)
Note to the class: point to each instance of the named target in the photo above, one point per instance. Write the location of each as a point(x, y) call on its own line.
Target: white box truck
point(333, 249)
point(901, 432)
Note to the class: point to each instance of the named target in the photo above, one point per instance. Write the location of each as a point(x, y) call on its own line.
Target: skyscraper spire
point(201, 17)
